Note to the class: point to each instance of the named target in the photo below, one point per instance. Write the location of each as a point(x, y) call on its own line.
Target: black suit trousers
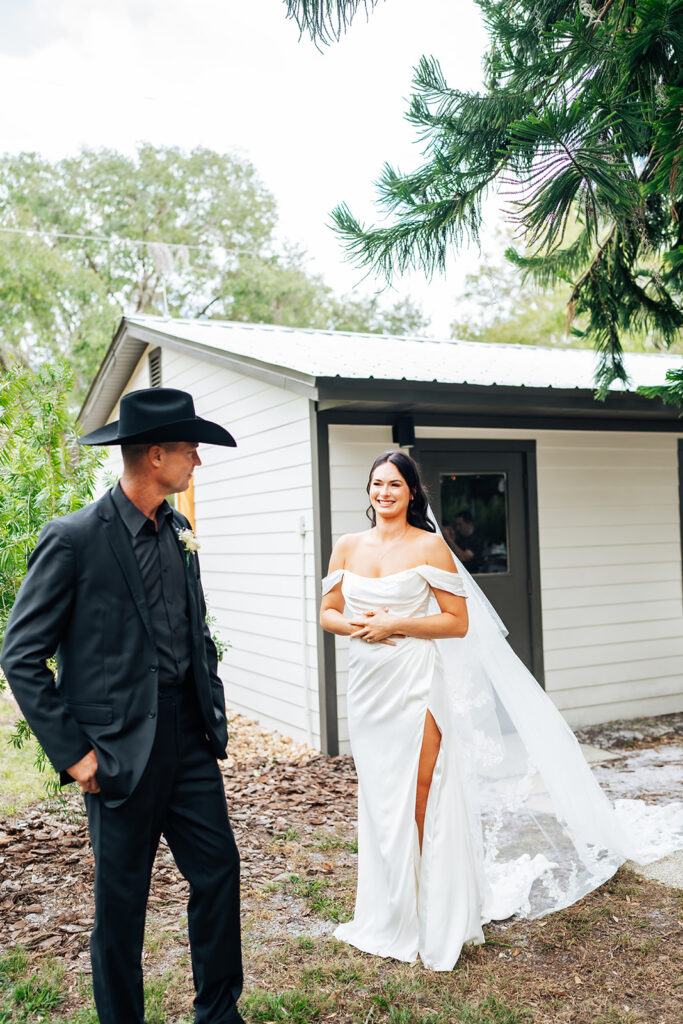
point(181, 797)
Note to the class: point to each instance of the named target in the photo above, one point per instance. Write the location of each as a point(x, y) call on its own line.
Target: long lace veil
point(546, 832)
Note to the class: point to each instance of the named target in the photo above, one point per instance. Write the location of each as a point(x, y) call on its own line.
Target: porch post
point(322, 534)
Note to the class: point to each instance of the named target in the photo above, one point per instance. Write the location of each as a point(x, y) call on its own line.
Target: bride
point(474, 800)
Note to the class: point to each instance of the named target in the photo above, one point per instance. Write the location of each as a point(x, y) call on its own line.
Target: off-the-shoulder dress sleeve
point(439, 579)
point(332, 580)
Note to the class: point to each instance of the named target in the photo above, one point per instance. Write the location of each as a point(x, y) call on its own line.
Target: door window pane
point(474, 519)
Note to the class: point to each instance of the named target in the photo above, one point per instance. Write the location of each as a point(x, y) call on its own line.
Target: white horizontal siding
point(249, 502)
point(592, 695)
point(609, 536)
point(559, 619)
point(604, 594)
point(654, 704)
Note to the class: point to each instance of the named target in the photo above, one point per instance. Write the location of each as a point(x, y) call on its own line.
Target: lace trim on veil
point(545, 832)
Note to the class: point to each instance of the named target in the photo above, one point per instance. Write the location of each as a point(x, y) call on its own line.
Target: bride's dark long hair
point(419, 502)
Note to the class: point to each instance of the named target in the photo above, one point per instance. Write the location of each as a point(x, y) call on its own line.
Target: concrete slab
point(668, 870)
point(594, 755)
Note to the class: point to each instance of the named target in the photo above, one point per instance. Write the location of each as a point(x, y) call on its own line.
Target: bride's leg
point(431, 742)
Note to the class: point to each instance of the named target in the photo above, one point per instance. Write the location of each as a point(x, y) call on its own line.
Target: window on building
point(475, 519)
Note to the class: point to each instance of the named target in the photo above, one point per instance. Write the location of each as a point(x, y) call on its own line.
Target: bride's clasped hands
point(382, 627)
point(376, 628)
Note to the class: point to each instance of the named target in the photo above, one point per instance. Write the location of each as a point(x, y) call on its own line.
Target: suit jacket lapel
point(119, 540)
point(190, 584)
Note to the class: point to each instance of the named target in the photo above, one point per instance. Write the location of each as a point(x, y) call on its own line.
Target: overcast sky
point(236, 77)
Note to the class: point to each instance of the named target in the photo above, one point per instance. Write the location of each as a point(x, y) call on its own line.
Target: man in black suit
point(136, 714)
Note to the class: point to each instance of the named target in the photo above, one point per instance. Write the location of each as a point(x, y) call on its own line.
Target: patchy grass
point(86, 1015)
point(294, 1007)
point(330, 841)
point(28, 994)
point(156, 991)
point(13, 966)
point(609, 959)
point(290, 835)
point(348, 987)
point(321, 898)
point(158, 939)
point(35, 990)
point(20, 781)
point(492, 1011)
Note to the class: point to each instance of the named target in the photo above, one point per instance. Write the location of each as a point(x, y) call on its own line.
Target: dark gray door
point(481, 496)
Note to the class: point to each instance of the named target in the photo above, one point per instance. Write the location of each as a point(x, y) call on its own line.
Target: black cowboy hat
point(157, 415)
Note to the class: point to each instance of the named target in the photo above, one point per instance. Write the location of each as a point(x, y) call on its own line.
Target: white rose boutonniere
point(189, 542)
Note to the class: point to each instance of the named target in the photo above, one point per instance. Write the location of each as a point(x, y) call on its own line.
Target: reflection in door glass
point(474, 519)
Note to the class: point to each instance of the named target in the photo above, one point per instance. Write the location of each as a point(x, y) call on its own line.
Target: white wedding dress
point(515, 822)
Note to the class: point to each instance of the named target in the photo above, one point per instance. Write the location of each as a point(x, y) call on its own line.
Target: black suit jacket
point(84, 600)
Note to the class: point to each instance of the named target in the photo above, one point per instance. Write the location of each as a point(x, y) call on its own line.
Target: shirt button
point(152, 668)
point(152, 714)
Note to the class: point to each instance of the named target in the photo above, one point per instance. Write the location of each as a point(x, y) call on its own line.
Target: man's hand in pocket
point(85, 773)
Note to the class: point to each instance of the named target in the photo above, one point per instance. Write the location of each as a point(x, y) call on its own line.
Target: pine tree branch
point(617, 20)
point(326, 20)
point(602, 248)
point(593, 263)
point(207, 307)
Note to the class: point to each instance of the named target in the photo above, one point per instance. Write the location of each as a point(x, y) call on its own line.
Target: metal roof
point(365, 370)
point(372, 356)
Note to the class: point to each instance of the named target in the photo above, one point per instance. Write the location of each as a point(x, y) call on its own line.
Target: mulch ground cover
point(634, 733)
point(46, 865)
point(613, 957)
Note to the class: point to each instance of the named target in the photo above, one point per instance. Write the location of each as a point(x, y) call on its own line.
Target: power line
point(119, 240)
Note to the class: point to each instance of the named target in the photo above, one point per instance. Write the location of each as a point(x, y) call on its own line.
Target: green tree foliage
point(192, 229)
point(44, 473)
point(579, 127)
point(349, 314)
point(50, 306)
point(280, 290)
point(498, 305)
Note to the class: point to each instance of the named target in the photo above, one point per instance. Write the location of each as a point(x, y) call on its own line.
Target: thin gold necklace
point(390, 545)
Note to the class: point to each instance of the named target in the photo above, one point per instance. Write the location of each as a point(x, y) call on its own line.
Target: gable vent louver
point(154, 363)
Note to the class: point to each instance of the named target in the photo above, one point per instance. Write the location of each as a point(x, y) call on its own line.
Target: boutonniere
point(189, 543)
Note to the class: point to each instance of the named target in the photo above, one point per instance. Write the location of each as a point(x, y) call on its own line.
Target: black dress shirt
point(161, 563)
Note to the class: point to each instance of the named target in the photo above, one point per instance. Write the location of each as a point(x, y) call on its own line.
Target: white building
point(586, 572)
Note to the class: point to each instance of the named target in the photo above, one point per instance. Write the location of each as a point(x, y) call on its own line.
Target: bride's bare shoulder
point(344, 549)
point(436, 552)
